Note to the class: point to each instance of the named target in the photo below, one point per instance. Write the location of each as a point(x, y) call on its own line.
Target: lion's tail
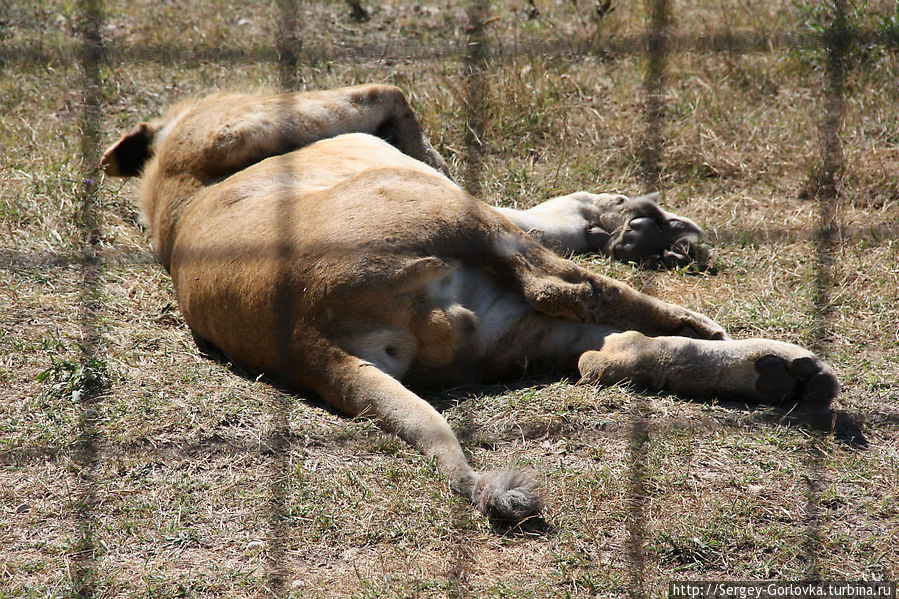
point(508, 495)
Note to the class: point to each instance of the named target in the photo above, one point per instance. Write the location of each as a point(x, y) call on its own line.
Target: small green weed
point(67, 378)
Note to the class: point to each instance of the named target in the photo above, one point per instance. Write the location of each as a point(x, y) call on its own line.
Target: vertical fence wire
point(87, 396)
point(827, 246)
point(650, 152)
point(653, 89)
point(475, 118)
point(636, 523)
point(829, 173)
point(4, 31)
point(474, 69)
point(289, 46)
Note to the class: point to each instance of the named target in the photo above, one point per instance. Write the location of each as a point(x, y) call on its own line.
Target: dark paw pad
point(658, 239)
point(775, 383)
point(641, 241)
point(820, 390)
point(805, 368)
point(818, 385)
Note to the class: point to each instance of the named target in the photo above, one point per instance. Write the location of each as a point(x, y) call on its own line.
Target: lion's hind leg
point(560, 288)
point(757, 370)
point(359, 388)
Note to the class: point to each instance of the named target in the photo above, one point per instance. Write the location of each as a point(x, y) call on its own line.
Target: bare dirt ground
point(134, 465)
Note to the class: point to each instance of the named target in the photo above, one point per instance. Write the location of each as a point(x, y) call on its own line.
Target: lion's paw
point(649, 235)
point(806, 380)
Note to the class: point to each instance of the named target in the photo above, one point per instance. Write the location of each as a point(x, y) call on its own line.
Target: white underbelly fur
point(495, 308)
point(468, 295)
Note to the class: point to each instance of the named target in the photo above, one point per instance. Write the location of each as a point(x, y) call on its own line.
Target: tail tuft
point(507, 495)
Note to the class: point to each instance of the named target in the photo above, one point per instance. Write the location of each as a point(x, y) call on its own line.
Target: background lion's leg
point(223, 134)
point(398, 123)
point(377, 109)
point(758, 370)
point(628, 229)
point(291, 121)
point(358, 388)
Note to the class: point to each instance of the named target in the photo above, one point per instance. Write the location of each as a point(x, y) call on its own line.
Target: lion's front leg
point(398, 123)
point(262, 127)
point(757, 370)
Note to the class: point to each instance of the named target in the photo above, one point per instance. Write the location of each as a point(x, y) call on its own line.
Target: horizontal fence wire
point(41, 52)
point(475, 54)
point(112, 256)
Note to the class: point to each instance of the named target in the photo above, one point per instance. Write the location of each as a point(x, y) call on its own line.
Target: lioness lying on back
point(306, 247)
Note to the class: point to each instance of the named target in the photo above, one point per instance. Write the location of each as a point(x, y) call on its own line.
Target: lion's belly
point(460, 317)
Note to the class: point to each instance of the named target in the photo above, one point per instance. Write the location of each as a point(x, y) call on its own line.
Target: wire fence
point(478, 54)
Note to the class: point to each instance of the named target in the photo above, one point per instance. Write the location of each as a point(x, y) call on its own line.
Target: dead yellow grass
point(187, 492)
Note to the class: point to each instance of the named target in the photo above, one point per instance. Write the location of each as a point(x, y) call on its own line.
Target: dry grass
point(171, 481)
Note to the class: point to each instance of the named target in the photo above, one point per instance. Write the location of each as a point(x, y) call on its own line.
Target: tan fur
point(308, 249)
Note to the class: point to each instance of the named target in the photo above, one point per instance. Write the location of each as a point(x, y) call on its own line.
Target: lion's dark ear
point(126, 157)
